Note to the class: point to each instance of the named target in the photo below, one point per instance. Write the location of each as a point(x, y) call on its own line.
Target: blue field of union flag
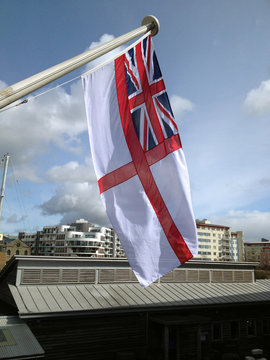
point(151, 85)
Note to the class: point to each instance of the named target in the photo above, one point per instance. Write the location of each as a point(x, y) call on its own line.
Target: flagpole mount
point(152, 23)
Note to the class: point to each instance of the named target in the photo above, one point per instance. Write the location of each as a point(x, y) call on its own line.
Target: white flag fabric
point(139, 162)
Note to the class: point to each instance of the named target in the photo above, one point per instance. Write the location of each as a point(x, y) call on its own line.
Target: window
point(8, 252)
point(216, 331)
point(205, 335)
point(204, 252)
point(266, 326)
point(234, 330)
point(251, 327)
point(17, 252)
point(204, 246)
point(248, 327)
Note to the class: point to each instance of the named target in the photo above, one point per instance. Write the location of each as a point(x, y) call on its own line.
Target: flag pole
point(26, 86)
point(5, 160)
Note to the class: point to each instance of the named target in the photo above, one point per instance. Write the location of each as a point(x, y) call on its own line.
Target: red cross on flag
point(139, 162)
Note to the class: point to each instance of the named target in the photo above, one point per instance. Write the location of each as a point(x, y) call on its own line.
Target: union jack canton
point(149, 104)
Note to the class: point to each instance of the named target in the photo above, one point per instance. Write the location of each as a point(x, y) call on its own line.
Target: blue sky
point(215, 59)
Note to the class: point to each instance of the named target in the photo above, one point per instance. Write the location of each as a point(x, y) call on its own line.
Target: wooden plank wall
point(5, 294)
point(105, 337)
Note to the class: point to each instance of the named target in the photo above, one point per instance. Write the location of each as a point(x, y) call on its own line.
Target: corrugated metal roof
point(17, 340)
point(41, 299)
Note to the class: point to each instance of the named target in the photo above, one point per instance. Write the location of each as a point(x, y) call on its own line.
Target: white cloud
point(77, 194)
point(15, 219)
point(255, 224)
point(77, 200)
point(51, 126)
point(56, 118)
point(257, 101)
point(27, 131)
point(103, 39)
point(72, 172)
point(26, 171)
point(180, 105)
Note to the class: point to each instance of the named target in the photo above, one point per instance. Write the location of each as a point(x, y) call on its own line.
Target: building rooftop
point(213, 226)
point(259, 243)
point(54, 299)
point(17, 341)
point(37, 286)
point(207, 223)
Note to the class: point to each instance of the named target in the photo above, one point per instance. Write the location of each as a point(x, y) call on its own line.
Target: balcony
point(225, 257)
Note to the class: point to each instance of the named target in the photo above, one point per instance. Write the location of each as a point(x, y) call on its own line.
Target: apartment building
point(218, 243)
point(81, 238)
point(237, 246)
point(265, 257)
point(254, 250)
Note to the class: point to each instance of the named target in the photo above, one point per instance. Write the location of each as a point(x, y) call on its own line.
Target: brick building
point(265, 257)
point(9, 248)
point(253, 250)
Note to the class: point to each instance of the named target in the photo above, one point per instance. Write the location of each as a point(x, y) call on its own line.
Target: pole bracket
point(154, 24)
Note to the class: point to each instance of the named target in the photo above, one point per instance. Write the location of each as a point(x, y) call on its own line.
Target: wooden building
point(79, 308)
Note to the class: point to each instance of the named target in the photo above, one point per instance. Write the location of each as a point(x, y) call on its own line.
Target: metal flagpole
point(5, 160)
point(25, 87)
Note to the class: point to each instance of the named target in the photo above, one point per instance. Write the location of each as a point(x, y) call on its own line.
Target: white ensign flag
point(139, 162)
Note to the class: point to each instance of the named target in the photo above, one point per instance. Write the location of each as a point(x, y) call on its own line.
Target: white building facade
point(78, 239)
point(218, 243)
